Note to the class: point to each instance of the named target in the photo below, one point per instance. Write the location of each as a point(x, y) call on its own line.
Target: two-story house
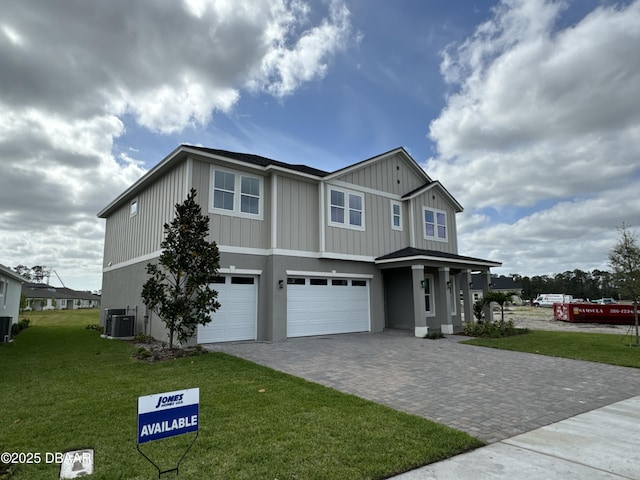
point(303, 251)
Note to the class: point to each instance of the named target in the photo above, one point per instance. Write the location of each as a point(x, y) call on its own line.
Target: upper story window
point(435, 225)
point(346, 209)
point(396, 215)
point(133, 207)
point(250, 195)
point(235, 193)
point(224, 185)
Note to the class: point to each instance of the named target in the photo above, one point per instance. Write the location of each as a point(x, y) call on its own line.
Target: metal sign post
point(166, 415)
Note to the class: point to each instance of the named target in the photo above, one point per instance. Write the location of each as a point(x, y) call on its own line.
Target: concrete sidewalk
point(600, 444)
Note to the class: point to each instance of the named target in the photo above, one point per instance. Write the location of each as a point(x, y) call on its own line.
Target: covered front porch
point(422, 290)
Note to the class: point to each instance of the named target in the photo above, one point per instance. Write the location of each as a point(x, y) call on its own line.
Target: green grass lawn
point(594, 347)
point(64, 388)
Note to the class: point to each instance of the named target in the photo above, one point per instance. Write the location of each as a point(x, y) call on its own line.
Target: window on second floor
point(236, 194)
point(396, 215)
point(435, 225)
point(346, 209)
point(133, 207)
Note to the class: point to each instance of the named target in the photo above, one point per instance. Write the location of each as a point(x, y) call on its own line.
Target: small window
point(242, 280)
point(318, 281)
point(133, 207)
point(295, 281)
point(223, 190)
point(396, 216)
point(358, 283)
point(339, 283)
point(219, 280)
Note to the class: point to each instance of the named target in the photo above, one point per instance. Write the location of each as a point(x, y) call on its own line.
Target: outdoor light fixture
point(280, 283)
point(448, 283)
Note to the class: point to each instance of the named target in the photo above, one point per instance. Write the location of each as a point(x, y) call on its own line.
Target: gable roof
point(428, 186)
point(377, 158)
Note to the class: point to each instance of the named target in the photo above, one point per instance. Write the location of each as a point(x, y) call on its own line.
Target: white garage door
point(321, 306)
point(236, 319)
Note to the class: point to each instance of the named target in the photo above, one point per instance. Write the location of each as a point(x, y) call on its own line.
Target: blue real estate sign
point(167, 414)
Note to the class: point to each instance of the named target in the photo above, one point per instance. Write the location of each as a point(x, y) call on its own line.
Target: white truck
point(548, 299)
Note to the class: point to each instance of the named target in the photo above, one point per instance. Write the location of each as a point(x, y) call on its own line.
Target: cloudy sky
point(528, 111)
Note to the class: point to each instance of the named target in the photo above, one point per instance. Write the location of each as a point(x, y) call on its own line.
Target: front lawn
point(65, 388)
point(594, 347)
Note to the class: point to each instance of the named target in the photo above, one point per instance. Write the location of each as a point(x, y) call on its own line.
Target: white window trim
point(393, 226)
point(435, 238)
point(134, 206)
point(237, 194)
point(346, 223)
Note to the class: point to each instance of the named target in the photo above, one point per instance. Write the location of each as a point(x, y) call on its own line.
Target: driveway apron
point(490, 394)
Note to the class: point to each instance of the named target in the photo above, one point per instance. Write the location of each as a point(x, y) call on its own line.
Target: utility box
point(5, 329)
point(108, 321)
point(122, 326)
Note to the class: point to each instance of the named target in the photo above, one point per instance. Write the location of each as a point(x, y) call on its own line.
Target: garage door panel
point(327, 309)
point(236, 319)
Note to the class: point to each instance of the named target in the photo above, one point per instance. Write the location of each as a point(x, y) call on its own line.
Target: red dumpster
point(613, 314)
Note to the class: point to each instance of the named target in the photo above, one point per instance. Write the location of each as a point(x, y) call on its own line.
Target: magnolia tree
point(624, 259)
point(178, 289)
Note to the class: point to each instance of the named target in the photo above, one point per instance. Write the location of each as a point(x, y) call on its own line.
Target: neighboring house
point(303, 251)
point(10, 289)
point(500, 284)
point(41, 296)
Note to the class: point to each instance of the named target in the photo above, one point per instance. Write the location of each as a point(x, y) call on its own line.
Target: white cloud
point(543, 118)
point(73, 71)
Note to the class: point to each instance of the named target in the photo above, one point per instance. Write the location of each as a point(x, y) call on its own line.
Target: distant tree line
point(586, 285)
point(37, 273)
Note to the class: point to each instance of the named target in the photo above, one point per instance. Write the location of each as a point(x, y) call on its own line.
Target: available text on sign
point(168, 414)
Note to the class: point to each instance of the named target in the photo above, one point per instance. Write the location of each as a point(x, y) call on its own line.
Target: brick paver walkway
point(491, 394)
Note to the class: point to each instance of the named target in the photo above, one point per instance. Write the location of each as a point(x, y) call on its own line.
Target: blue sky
point(528, 111)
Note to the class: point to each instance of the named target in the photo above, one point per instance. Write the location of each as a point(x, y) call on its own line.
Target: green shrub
point(434, 335)
point(94, 326)
point(15, 329)
point(142, 338)
point(497, 329)
point(24, 323)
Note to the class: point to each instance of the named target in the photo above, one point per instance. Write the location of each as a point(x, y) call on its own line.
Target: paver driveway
point(491, 394)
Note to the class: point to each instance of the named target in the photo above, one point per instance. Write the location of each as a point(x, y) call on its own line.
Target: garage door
point(236, 319)
point(321, 306)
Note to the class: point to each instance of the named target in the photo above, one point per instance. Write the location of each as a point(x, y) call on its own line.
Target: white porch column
point(419, 309)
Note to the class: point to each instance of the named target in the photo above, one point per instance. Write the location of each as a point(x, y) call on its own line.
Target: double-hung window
point(346, 209)
point(396, 216)
point(250, 195)
point(234, 193)
point(224, 188)
point(435, 225)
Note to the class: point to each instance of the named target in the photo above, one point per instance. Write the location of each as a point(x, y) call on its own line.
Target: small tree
point(500, 298)
point(178, 288)
point(624, 259)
